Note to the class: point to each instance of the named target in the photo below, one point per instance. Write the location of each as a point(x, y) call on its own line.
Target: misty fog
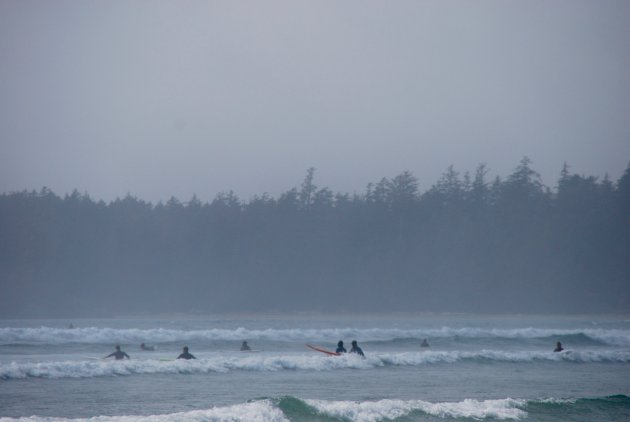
point(110, 108)
point(158, 98)
point(466, 244)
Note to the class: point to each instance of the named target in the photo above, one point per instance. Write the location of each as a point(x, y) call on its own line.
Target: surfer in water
point(185, 354)
point(356, 349)
point(118, 354)
point(558, 347)
point(340, 348)
point(147, 348)
point(245, 347)
point(425, 343)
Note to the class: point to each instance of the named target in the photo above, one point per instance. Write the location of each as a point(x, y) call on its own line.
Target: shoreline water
point(477, 366)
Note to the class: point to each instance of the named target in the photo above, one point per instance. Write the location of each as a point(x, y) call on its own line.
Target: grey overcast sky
point(171, 98)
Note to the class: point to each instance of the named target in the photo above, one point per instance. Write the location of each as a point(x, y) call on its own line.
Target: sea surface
point(476, 368)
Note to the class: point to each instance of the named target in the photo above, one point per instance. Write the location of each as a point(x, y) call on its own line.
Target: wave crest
point(97, 335)
point(278, 362)
point(285, 409)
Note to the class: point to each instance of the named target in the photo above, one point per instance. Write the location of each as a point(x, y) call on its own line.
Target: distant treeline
point(465, 245)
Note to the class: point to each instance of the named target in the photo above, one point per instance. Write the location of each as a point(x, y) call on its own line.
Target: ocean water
point(476, 368)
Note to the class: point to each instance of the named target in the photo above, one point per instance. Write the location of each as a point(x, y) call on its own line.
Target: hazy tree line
point(464, 244)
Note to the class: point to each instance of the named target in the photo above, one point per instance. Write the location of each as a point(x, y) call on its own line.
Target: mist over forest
point(465, 244)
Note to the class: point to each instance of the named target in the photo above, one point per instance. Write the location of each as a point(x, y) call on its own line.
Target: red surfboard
point(319, 349)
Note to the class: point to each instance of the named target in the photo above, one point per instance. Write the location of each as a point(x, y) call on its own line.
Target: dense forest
point(466, 244)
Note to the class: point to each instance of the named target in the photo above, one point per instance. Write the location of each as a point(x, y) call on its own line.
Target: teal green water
point(476, 368)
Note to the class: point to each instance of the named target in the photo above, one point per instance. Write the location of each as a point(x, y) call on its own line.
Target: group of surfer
point(120, 355)
point(355, 348)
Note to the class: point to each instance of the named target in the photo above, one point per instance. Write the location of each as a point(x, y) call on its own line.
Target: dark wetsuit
point(357, 350)
point(118, 354)
point(186, 356)
point(341, 349)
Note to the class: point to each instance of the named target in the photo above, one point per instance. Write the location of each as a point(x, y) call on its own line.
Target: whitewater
point(476, 368)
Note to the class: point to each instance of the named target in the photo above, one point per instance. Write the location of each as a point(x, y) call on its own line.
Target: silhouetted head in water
point(143, 346)
point(118, 354)
point(356, 349)
point(185, 354)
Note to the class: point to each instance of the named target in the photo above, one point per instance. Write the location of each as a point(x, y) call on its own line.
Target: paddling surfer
point(356, 349)
point(185, 354)
point(118, 354)
point(340, 348)
point(147, 348)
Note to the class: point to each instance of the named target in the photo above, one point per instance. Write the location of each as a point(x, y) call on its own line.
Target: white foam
point(262, 362)
point(429, 357)
point(258, 411)
point(613, 337)
point(391, 409)
point(368, 411)
point(98, 335)
point(218, 363)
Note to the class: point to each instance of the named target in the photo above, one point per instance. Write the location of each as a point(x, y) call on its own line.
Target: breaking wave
point(98, 335)
point(285, 409)
point(264, 362)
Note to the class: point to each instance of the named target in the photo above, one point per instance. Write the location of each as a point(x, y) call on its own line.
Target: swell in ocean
point(308, 361)
point(100, 335)
point(288, 408)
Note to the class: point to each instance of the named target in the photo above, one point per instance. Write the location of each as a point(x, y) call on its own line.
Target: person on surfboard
point(356, 349)
point(147, 348)
point(558, 347)
point(340, 348)
point(245, 347)
point(185, 354)
point(425, 343)
point(118, 354)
